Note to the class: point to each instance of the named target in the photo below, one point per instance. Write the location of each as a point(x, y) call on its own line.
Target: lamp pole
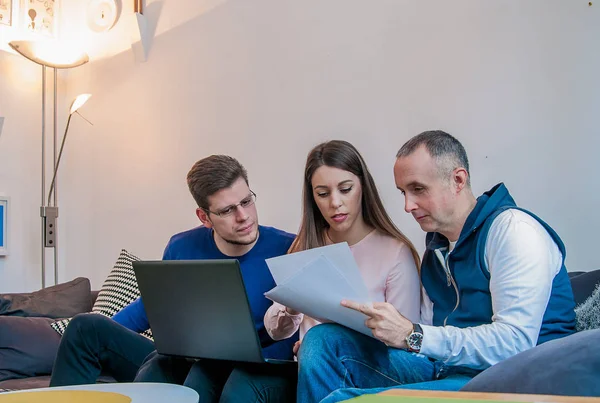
point(43, 172)
point(55, 165)
point(48, 210)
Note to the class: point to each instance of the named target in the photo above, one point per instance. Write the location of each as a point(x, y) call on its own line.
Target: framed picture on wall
point(6, 12)
point(39, 16)
point(3, 225)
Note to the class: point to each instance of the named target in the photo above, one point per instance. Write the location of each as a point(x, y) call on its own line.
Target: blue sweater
point(468, 268)
point(198, 243)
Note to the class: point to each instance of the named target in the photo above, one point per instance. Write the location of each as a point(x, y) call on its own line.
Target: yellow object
point(64, 396)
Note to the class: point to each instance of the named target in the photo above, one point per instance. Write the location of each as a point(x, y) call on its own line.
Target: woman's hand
point(296, 347)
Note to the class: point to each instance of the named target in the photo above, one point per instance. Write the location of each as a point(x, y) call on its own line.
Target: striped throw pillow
point(119, 290)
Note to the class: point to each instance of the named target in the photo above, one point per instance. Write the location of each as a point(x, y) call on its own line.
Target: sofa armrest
point(58, 301)
point(566, 366)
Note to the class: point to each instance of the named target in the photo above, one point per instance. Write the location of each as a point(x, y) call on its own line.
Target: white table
point(139, 392)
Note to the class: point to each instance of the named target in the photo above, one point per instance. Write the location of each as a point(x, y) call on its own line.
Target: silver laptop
point(199, 309)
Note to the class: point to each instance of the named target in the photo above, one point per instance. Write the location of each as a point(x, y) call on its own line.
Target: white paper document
point(315, 281)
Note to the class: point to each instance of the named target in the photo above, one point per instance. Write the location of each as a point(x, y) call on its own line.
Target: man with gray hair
point(494, 274)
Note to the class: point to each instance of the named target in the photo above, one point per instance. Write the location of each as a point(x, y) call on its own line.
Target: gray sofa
point(28, 344)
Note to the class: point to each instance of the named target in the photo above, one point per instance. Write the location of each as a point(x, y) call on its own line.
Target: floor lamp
point(56, 56)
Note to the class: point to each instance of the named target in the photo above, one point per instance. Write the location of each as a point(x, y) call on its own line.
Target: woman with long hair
point(341, 204)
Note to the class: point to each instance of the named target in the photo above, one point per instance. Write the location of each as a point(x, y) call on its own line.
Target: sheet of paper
point(317, 289)
point(339, 254)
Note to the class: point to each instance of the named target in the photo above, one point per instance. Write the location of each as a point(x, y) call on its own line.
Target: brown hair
point(342, 155)
point(211, 174)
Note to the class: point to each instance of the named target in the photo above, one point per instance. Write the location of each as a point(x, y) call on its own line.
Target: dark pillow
point(584, 284)
point(59, 301)
point(28, 347)
point(567, 366)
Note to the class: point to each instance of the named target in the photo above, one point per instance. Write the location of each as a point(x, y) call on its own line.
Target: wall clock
point(101, 15)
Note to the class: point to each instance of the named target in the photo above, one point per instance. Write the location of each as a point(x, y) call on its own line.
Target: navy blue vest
point(468, 269)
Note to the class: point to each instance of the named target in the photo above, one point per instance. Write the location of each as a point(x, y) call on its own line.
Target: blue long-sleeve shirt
point(198, 243)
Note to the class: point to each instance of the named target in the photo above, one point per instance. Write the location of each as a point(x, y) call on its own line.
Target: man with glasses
point(226, 208)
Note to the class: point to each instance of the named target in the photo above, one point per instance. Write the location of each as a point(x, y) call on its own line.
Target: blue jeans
point(223, 381)
point(93, 344)
point(337, 363)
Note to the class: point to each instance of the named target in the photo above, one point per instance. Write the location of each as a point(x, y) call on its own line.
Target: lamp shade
point(78, 102)
point(50, 53)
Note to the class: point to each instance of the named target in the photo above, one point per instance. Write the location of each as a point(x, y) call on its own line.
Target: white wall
point(266, 80)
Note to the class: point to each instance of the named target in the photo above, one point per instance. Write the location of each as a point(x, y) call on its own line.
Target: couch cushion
point(27, 347)
point(119, 290)
point(567, 366)
point(58, 301)
point(584, 284)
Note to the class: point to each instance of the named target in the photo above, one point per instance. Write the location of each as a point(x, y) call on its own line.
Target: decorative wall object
point(39, 16)
point(6, 12)
point(3, 225)
point(102, 14)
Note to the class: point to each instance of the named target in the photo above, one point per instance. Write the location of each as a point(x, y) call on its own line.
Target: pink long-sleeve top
point(389, 272)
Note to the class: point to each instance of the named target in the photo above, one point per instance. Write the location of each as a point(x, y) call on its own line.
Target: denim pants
point(223, 381)
point(94, 344)
point(337, 363)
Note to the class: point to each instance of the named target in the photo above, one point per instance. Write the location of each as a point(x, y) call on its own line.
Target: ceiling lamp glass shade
point(50, 53)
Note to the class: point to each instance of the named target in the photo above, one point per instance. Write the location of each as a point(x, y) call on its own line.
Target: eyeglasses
point(229, 210)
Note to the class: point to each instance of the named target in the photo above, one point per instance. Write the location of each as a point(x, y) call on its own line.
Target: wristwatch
point(415, 338)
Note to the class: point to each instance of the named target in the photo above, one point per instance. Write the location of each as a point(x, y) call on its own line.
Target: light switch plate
point(1, 124)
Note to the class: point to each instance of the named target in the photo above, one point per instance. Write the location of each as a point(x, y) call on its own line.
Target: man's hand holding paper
point(385, 322)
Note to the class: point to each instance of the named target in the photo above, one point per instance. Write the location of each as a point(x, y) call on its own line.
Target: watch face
point(414, 341)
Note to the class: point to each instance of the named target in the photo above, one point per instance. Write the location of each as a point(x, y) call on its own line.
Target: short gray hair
point(444, 148)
